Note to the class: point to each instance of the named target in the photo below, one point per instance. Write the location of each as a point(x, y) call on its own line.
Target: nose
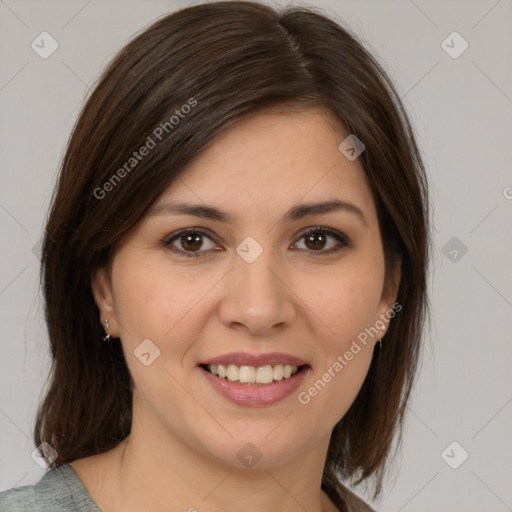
point(257, 297)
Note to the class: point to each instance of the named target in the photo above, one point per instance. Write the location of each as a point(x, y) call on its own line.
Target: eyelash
point(341, 238)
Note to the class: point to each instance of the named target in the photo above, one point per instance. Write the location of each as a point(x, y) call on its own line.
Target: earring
point(383, 334)
point(107, 337)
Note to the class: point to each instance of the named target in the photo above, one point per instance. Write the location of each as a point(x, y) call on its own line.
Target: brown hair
point(229, 60)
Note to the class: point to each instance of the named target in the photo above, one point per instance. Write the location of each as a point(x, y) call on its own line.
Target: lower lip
point(255, 395)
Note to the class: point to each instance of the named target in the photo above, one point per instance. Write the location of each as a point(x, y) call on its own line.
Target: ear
point(388, 297)
point(104, 298)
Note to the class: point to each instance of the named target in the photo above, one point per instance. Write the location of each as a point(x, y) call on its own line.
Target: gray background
point(461, 109)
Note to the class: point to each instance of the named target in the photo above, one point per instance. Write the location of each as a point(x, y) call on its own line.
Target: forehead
point(271, 161)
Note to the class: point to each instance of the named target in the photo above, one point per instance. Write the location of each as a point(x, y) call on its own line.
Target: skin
point(182, 452)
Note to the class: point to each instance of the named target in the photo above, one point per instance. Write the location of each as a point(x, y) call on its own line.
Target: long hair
point(226, 61)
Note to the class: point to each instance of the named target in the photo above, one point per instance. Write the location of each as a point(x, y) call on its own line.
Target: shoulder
point(59, 490)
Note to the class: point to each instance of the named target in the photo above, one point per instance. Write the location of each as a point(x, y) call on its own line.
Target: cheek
point(343, 306)
point(155, 304)
point(167, 306)
point(344, 300)
point(153, 300)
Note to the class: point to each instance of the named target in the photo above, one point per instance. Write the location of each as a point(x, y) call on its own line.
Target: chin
point(255, 447)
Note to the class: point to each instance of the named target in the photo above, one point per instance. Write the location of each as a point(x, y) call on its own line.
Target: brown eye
point(190, 243)
point(317, 240)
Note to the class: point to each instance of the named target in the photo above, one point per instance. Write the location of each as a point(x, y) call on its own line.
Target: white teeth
point(246, 374)
point(265, 374)
point(278, 372)
point(250, 374)
point(232, 373)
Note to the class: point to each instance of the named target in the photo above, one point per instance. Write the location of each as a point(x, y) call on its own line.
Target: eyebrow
point(295, 213)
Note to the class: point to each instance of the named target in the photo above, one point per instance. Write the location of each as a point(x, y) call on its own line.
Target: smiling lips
point(255, 380)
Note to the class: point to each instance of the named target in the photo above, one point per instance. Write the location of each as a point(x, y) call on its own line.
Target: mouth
point(254, 375)
point(254, 380)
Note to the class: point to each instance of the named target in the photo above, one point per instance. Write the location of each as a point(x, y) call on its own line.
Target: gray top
point(59, 490)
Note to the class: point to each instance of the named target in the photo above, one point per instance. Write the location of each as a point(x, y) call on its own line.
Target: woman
point(240, 219)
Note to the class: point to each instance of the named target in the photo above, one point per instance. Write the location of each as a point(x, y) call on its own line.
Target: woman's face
point(259, 291)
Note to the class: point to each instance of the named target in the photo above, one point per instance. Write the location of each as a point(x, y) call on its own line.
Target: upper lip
point(246, 359)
